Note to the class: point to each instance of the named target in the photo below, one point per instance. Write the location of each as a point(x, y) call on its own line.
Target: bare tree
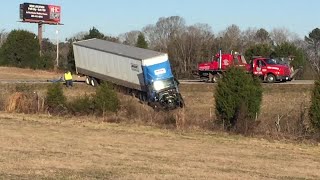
point(313, 48)
point(159, 35)
point(150, 36)
point(248, 39)
point(192, 46)
point(280, 35)
point(3, 36)
point(78, 36)
point(230, 38)
point(129, 38)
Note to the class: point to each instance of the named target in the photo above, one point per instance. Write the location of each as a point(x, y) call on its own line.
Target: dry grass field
point(287, 101)
point(12, 73)
point(42, 147)
point(47, 147)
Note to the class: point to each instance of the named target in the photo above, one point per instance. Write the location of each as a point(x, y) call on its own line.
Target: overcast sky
point(114, 17)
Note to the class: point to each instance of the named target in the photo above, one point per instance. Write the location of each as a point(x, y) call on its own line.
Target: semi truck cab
point(162, 86)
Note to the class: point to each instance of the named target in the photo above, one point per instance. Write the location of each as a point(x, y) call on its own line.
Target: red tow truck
point(268, 69)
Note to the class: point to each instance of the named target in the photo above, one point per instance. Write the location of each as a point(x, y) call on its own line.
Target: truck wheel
point(88, 80)
point(94, 82)
point(216, 78)
point(182, 104)
point(271, 78)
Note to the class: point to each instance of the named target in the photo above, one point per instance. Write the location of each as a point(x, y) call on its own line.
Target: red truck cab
point(270, 70)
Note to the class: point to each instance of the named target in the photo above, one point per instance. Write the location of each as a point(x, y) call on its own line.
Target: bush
point(314, 112)
point(21, 49)
point(238, 98)
point(105, 99)
point(81, 106)
point(55, 98)
point(46, 62)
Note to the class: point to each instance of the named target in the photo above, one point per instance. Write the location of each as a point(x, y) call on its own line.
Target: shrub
point(81, 106)
point(314, 112)
point(46, 62)
point(21, 49)
point(55, 98)
point(238, 98)
point(105, 99)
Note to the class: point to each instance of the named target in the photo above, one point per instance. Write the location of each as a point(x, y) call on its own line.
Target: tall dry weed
point(23, 102)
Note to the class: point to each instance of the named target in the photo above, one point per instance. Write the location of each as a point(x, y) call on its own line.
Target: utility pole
point(40, 36)
point(57, 59)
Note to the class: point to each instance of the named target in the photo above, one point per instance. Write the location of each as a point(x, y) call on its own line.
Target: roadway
point(295, 82)
point(27, 81)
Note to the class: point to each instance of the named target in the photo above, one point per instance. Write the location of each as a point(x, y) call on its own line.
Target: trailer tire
point(94, 82)
point(88, 80)
point(271, 78)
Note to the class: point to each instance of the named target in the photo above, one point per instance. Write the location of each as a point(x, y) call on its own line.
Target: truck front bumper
point(283, 78)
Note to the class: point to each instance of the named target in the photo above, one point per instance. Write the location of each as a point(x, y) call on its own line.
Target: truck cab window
point(260, 63)
point(271, 61)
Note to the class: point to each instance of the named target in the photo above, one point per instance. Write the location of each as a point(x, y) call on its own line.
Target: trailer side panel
point(106, 66)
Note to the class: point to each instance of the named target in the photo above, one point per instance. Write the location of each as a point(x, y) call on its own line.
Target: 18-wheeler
point(145, 73)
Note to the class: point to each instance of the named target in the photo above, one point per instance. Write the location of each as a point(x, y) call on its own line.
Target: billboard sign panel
point(40, 13)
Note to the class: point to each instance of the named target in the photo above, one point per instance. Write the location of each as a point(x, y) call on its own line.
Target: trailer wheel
point(271, 78)
point(94, 82)
point(88, 80)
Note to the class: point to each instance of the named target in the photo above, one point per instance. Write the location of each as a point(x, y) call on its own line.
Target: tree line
point(187, 45)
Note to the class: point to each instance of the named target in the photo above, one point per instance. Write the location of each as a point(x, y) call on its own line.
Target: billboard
point(40, 13)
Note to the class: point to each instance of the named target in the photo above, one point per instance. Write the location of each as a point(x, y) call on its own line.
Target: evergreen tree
point(288, 49)
point(238, 98)
point(21, 49)
point(314, 112)
point(263, 36)
point(141, 42)
point(94, 33)
point(314, 41)
point(263, 50)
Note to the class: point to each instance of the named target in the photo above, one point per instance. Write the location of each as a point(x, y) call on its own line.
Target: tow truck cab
point(270, 70)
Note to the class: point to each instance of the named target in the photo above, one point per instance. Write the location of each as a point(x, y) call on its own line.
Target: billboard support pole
point(57, 32)
point(40, 36)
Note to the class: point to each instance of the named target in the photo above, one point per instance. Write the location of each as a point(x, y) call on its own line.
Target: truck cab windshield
point(271, 61)
point(163, 84)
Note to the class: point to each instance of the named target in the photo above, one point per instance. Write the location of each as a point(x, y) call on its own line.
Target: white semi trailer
point(144, 71)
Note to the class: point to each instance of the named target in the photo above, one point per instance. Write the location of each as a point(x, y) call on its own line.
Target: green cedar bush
point(314, 112)
point(238, 98)
point(105, 99)
point(55, 97)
